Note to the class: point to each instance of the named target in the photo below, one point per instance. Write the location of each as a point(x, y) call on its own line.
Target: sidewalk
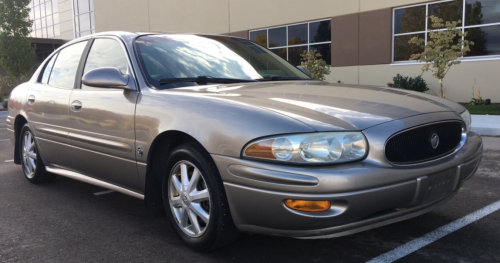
point(486, 125)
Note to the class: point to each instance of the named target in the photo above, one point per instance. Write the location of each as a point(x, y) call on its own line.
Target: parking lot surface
point(65, 221)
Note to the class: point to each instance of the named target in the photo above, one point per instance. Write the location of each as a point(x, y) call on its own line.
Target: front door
point(101, 120)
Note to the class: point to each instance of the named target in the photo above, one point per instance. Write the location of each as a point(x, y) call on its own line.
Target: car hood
point(326, 106)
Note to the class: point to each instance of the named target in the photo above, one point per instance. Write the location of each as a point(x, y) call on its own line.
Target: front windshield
point(166, 57)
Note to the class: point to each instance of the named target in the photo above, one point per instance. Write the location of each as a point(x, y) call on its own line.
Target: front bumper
point(364, 195)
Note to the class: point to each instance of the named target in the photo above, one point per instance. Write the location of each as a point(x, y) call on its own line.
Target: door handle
point(31, 99)
point(76, 106)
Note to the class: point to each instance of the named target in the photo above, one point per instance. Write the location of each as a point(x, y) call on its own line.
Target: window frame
point(292, 46)
point(86, 52)
point(463, 27)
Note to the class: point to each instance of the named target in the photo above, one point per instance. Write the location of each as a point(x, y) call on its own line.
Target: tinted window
point(410, 19)
point(64, 69)
point(486, 40)
point(448, 11)
point(478, 12)
point(297, 34)
point(277, 37)
point(48, 69)
point(259, 37)
point(320, 31)
point(294, 54)
point(106, 53)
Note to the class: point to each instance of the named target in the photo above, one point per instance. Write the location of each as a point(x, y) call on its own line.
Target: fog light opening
point(308, 206)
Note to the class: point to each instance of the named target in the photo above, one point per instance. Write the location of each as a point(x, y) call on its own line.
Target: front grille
point(415, 146)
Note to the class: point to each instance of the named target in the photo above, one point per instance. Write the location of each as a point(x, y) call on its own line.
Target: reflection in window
point(83, 12)
point(48, 69)
point(45, 18)
point(64, 69)
point(410, 22)
point(290, 41)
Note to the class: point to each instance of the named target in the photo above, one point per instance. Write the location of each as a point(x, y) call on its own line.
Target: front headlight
point(467, 119)
point(325, 147)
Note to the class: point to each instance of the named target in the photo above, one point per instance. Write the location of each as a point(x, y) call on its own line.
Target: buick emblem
point(434, 140)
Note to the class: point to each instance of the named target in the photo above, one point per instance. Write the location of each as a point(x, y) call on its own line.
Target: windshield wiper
point(274, 78)
point(203, 80)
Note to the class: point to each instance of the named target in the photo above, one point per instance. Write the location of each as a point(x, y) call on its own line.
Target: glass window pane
point(49, 20)
point(38, 23)
point(448, 11)
point(37, 2)
point(259, 37)
point(486, 40)
point(297, 34)
point(55, 7)
point(403, 50)
point(83, 6)
point(50, 31)
point(64, 70)
point(294, 54)
point(56, 18)
point(280, 52)
point(85, 33)
point(84, 22)
point(479, 12)
point(277, 37)
point(42, 10)
point(320, 31)
point(410, 19)
point(43, 22)
point(48, 8)
point(57, 32)
point(48, 69)
point(106, 53)
point(325, 50)
point(91, 5)
point(36, 11)
point(44, 32)
point(92, 21)
point(32, 14)
point(39, 33)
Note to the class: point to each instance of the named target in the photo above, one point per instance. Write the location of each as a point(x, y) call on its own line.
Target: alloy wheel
point(29, 154)
point(189, 198)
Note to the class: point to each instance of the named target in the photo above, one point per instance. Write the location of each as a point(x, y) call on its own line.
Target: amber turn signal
point(263, 149)
point(308, 206)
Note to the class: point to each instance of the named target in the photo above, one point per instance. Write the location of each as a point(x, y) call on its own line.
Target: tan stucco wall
point(66, 19)
point(458, 82)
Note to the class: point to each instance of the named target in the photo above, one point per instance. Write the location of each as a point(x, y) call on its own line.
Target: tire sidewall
point(214, 184)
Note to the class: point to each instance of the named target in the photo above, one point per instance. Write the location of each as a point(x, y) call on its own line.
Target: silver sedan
point(223, 136)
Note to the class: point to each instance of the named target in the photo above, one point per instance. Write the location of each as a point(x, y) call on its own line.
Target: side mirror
point(305, 71)
point(106, 78)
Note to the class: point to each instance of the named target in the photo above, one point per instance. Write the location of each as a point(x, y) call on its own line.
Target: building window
point(83, 13)
point(45, 16)
point(290, 41)
point(480, 18)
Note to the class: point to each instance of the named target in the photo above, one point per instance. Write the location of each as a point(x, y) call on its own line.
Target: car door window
point(48, 69)
point(66, 65)
point(105, 53)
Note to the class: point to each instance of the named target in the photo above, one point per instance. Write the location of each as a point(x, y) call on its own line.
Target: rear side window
point(48, 69)
point(66, 65)
point(106, 53)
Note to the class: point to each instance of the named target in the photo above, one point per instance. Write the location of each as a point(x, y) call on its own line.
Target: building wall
point(66, 19)
point(361, 34)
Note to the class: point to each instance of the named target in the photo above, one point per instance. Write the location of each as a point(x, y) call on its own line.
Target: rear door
point(101, 120)
point(47, 106)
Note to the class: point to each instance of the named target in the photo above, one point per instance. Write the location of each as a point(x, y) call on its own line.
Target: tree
point(312, 61)
point(443, 49)
point(17, 55)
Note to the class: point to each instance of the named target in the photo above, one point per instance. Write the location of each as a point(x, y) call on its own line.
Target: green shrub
point(312, 61)
point(409, 83)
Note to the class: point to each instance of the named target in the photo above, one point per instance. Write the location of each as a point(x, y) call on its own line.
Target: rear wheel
point(31, 161)
point(195, 200)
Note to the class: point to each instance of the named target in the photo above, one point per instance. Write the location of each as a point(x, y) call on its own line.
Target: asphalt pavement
point(65, 221)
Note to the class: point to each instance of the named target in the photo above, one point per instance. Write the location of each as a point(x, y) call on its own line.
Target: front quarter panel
point(223, 127)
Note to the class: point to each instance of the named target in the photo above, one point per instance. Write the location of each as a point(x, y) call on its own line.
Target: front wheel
point(31, 161)
point(195, 200)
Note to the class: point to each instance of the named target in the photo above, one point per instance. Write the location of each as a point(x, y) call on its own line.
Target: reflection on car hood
point(326, 106)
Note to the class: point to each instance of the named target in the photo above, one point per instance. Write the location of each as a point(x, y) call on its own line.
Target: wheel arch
point(158, 155)
point(19, 122)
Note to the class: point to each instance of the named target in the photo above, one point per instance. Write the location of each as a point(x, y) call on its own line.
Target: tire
point(197, 208)
point(31, 161)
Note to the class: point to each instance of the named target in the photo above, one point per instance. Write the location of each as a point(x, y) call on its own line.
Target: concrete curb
point(487, 125)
